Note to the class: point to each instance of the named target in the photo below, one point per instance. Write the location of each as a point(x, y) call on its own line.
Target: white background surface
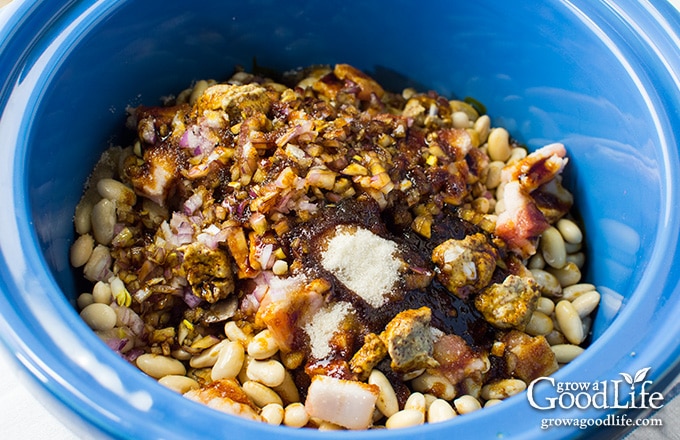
point(22, 417)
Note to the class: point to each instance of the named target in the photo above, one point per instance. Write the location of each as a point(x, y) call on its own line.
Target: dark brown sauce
point(450, 314)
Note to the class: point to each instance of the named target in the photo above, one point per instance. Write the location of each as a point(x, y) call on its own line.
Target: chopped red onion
point(212, 236)
point(249, 304)
point(184, 140)
point(128, 318)
point(306, 205)
point(265, 255)
point(141, 295)
point(193, 203)
point(183, 230)
point(190, 299)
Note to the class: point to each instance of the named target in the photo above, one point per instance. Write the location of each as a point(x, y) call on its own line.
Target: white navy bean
point(439, 411)
point(157, 366)
point(99, 316)
point(234, 333)
point(539, 324)
point(555, 337)
point(263, 345)
point(181, 354)
point(295, 415)
point(82, 219)
point(482, 126)
point(499, 207)
point(412, 375)
point(229, 361)
point(570, 231)
point(328, 426)
point(565, 353)
point(268, 372)
point(115, 190)
point(119, 292)
point(261, 395)
point(84, 300)
point(517, 154)
point(404, 419)
point(578, 258)
point(387, 401)
point(572, 247)
point(273, 414)
point(492, 402)
point(548, 284)
point(429, 398)
point(416, 401)
point(288, 390)
point(242, 376)
point(570, 322)
point(179, 384)
point(103, 221)
point(536, 261)
point(280, 267)
point(570, 293)
point(503, 389)
point(567, 275)
point(81, 250)
point(586, 303)
point(99, 264)
point(101, 292)
point(466, 404)
point(208, 357)
point(493, 175)
point(435, 384)
point(460, 120)
point(545, 305)
point(198, 89)
point(552, 247)
point(481, 204)
point(499, 144)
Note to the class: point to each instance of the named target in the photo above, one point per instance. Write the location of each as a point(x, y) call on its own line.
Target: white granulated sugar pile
point(323, 326)
point(364, 262)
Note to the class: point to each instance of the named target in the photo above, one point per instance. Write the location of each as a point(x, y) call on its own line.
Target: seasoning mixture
point(329, 254)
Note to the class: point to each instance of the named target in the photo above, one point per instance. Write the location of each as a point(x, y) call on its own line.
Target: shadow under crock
point(582, 73)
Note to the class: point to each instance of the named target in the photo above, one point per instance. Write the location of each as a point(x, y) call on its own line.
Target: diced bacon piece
point(456, 141)
point(553, 199)
point(532, 182)
point(528, 357)
point(537, 168)
point(344, 402)
point(521, 222)
point(287, 304)
point(367, 85)
point(465, 265)
point(159, 172)
point(457, 361)
point(227, 396)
